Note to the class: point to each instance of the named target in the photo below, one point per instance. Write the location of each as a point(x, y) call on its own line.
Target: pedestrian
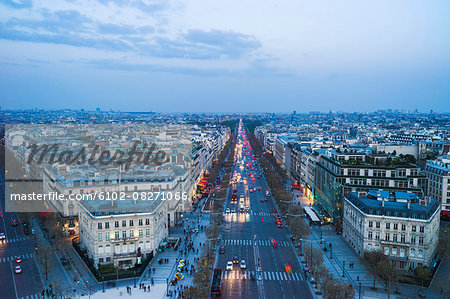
point(153, 283)
point(145, 288)
point(148, 288)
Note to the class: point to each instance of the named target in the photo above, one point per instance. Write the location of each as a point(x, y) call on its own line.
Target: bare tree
point(372, 259)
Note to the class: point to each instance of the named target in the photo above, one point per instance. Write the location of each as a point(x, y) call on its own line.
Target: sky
point(225, 56)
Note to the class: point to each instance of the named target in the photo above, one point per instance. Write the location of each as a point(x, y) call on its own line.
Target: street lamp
point(134, 277)
point(360, 290)
point(343, 269)
point(103, 279)
point(167, 290)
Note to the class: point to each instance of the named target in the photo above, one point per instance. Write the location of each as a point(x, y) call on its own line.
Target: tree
point(299, 229)
point(372, 259)
point(422, 273)
point(388, 274)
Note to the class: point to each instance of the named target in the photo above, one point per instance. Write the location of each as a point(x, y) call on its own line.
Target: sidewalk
point(163, 273)
point(359, 273)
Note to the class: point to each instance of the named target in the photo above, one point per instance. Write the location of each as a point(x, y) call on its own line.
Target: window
point(100, 249)
point(140, 222)
point(108, 259)
point(388, 225)
point(422, 229)
point(124, 223)
point(141, 233)
point(147, 232)
point(117, 248)
point(387, 238)
point(116, 224)
point(100, 260)
point(131, 223)
point(100, 236)
point(147, 245)
point(421, 240)
point(394, 237)
point(402, 252)
point(394, 250)
point(420, 253)
point(386, 250)
point(378, 224)
point(403, 227)
point(413, 239)
point(370, 235)
point(99, 225)
point(124, 234)
point(403, 238)
point(370, 223)
point(108, 248)
point(147, 221)
point(116, 235)
point(131, 233)
point(377, 236)
point(412, 252)
point(413, 228)
point(107, 236)
point(396, 226)
point(106, 224)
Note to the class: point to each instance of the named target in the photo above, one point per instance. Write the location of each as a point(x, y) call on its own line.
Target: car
point(222, 249)
point(266, 199)
point(17, 269)
point(243, 264)
point(2, 236)
point(18, 259)
point(229, 266)
point(280, 225)
point(247, 208)
point(235, 260)
point(233, 210)
point(228, 211)
point(14, 222)
point(274, 211)
point(259, 189)
point(262, 199)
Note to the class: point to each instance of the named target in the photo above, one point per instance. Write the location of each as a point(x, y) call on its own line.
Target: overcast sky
point(225, 56)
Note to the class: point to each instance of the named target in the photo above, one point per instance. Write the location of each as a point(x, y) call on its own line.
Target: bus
point(215, 285)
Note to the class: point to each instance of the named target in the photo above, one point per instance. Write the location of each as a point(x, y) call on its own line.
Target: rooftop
point(394, 204)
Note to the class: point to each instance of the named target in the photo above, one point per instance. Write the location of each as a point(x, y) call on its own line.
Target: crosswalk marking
point(16, 239)
point(266, 275)
point(33, 296)
point(252, 242)
point(13, 258)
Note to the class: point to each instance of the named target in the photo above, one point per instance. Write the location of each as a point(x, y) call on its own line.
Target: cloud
point(228, 43)
point(198, 44)
point(70, 27)
point(17, 3)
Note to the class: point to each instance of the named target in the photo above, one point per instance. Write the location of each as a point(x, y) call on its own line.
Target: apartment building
point(402, 225)
point(438, 178)
point(121, 232)
point(341, 171)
